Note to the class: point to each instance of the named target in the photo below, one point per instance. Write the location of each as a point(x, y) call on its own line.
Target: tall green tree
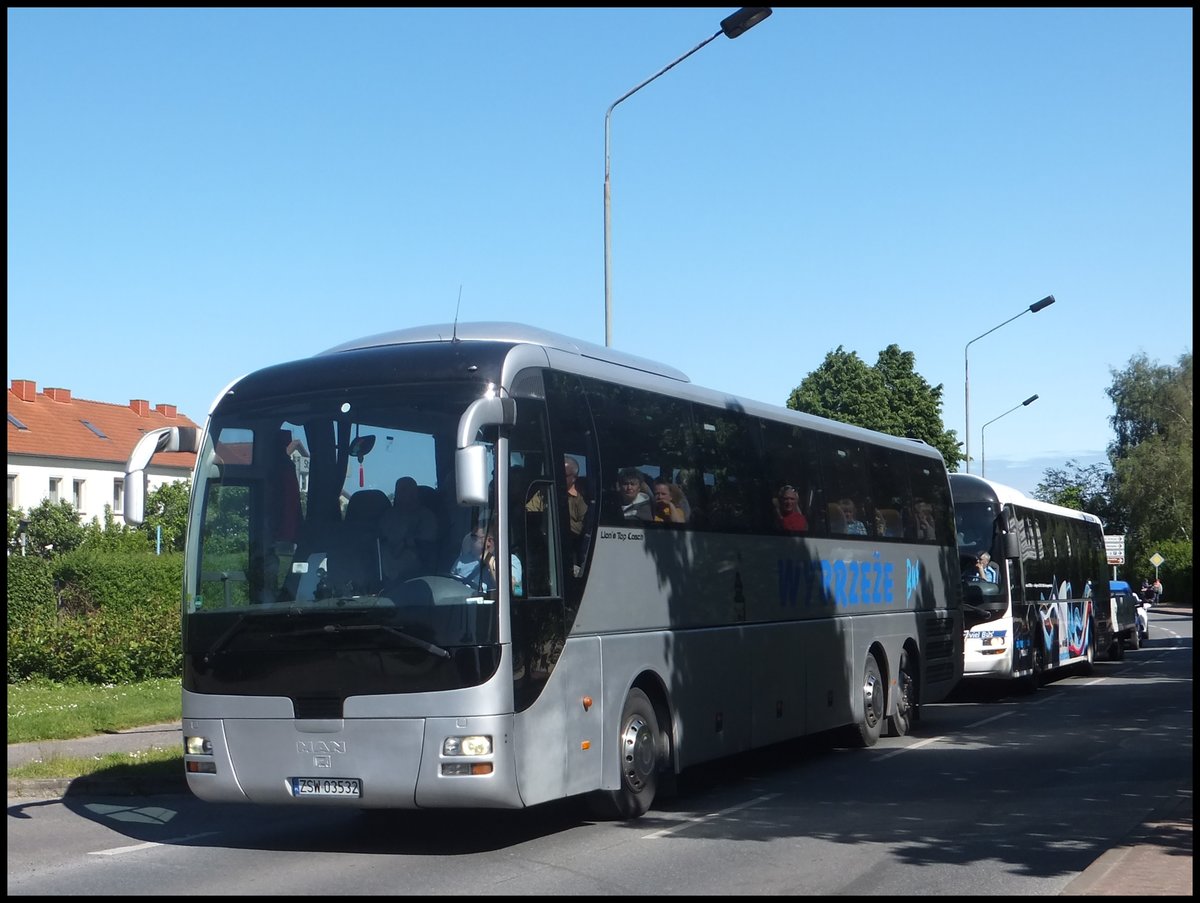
point(1152, 452)
point(890, 397)
point(1152, 465)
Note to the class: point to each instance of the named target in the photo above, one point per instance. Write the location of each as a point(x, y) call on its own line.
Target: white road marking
point(687, 823)
point(118, 851)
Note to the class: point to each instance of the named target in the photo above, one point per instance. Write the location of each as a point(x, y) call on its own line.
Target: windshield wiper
point(345, 628)
point(223, 639)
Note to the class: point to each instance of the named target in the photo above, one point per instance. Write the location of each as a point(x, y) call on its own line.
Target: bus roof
point(598, 357)
point(509, 332)
point(967, 487)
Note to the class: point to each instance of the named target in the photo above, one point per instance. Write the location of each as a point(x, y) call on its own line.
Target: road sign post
point(1156, 560)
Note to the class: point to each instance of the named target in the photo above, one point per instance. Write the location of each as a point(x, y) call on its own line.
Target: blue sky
point(194, 194)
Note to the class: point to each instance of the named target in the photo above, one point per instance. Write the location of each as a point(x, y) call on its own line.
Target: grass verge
point(141, 765)
point(48, 710)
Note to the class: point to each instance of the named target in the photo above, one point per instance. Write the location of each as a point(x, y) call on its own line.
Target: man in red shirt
point(787, 511)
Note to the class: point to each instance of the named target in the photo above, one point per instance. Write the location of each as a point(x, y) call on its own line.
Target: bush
point(118, 580)
point(114, 619)
point(30, 589)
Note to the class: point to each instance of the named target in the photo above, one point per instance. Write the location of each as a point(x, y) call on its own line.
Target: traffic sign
point(1114, 546)
point(1157, 560)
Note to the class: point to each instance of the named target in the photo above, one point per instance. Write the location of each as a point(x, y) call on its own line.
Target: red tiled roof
point(55, 428)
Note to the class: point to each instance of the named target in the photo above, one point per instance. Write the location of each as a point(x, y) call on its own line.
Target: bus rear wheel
point(640, 756)
point(907, 711)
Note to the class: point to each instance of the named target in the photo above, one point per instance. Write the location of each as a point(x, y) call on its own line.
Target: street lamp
point(983, 438)
point(1031, 309)
point(732, 26)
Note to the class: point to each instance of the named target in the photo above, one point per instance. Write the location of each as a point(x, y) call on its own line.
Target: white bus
point(333, 652)
point(1049, 606)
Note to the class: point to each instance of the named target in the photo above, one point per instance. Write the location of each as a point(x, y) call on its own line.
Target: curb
point(90, 785)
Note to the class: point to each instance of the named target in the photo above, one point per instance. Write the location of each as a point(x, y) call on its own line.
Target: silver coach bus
point(428, 569)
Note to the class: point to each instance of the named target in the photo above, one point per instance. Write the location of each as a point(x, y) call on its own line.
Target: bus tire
point(640, 756)
point(1031, 681)
point(907, 710)
point(1087, 666)
point(874, 700)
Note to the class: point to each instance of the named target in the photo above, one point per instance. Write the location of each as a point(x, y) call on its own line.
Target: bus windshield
point(328, 522)
point(984, 572)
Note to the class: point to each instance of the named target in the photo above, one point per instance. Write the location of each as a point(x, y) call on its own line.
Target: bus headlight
point(474, 745)
point(197, 746)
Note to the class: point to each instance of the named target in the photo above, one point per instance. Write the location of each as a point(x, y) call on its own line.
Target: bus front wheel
point(640, 755)
point(874, 701)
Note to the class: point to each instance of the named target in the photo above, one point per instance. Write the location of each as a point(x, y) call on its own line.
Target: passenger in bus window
point(408, 531)
point(887, 522)
point(635, 502)
point(854, 524)
point(923, 520)
point(788, 516)
point(664, 508)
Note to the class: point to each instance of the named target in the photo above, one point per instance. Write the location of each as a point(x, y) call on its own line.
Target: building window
point(118, 496)
point(95, 429)
point(55, 488)
point(77, 494)
point(12, 490)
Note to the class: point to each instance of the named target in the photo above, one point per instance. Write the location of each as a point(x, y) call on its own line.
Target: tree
point(53, 528)
point(167, 507)
point(890, 397)
point(1084, 489)
point(1152, 461)
point(1152, 454)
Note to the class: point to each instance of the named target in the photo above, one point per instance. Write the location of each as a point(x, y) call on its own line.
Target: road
point(993, 794)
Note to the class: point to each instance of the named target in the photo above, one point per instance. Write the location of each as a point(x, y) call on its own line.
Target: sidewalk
point(132, 741)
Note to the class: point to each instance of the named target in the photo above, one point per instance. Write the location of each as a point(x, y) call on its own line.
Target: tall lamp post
point(1031, 309)
point(732, 26)
point(983, 437)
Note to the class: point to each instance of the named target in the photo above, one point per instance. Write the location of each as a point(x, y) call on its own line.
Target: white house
point(61, 447)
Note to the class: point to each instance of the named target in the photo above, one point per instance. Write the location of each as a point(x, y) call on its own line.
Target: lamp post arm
point(608, 183)
point(983, 431)
point(967, 382)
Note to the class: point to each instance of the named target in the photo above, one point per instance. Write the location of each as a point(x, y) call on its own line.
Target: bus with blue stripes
point(488, 565)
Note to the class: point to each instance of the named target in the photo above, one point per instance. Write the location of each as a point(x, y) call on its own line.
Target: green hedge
point(93, 617)
point(30, 589)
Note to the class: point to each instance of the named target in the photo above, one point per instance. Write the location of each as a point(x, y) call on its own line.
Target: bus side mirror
point(470, 458)
point(471, 474)
point(1010, 547)
point(164, 439)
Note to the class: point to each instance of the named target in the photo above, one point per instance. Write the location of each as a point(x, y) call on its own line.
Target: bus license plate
point(349, 787)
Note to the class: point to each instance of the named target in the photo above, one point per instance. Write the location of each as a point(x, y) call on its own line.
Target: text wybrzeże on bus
point(1049, 605)
point(425, 569)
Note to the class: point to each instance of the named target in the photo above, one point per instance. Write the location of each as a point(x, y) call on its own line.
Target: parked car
point(1127, 633)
